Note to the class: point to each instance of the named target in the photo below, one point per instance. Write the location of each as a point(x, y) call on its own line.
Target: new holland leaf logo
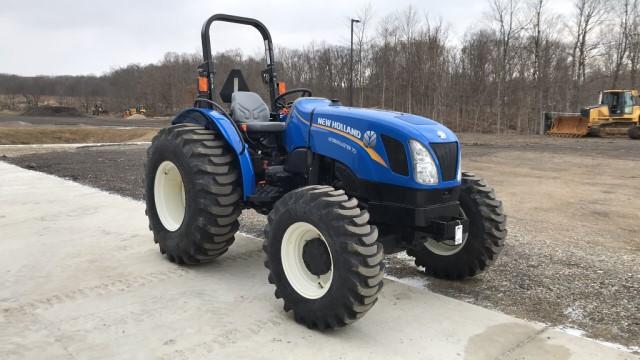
point(369, 139)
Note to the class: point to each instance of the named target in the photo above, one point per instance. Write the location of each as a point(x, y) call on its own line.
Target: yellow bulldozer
point(618, 113)
point(138, 109)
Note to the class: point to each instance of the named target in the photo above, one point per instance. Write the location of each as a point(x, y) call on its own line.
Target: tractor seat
point(252, 114)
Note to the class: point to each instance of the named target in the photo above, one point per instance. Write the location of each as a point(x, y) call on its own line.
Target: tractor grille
point(396, 154)
point(447, 154)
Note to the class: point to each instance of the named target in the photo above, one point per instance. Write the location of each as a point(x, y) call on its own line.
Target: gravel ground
point(572, 257)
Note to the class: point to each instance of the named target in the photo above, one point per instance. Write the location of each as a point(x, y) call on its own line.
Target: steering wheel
point(280, 100)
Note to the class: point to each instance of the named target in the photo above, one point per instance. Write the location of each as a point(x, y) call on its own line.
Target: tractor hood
point(381, 136)
point(357, 121)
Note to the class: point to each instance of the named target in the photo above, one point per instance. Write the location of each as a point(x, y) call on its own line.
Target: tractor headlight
point(424, 168)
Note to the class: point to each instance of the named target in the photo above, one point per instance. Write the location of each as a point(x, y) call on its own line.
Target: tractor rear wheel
point(323, 257)
point(634, 132)
point(482, 242)
point(192, 193)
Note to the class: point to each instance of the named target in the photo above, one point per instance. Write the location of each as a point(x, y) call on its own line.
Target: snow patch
point(571, 331)
point(247, 235)
point(581, 333)
point(574, 313)
point(412, 281)
point(403, 256)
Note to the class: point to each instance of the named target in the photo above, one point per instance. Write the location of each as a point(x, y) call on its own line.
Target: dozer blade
point(569, 126)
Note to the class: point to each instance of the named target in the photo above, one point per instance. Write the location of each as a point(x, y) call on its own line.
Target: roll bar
point(207, 68)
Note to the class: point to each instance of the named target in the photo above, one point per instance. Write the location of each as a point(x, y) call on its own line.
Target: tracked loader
point(618, 113)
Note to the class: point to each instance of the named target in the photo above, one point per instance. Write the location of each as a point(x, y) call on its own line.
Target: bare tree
point(540, 37)
point(634, 43)
point(408, 24)
point(589, 15)
point(388, 35)
point(365, 15)
point(504, 13)
point(620, 44)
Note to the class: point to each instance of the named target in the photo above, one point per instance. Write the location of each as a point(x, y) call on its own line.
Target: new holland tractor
point(342, 187)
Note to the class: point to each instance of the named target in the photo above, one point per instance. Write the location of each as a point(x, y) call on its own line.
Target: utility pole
point(351, 65)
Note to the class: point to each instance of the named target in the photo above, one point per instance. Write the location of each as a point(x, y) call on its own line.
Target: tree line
point(522, 59)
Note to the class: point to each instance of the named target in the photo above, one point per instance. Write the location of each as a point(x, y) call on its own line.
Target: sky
point(74, 37)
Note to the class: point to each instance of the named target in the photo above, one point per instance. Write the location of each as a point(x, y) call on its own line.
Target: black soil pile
point(56, 111)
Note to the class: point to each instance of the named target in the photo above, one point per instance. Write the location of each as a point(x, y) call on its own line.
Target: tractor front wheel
point(323, 257)
point(482, 241)
point(634, 132)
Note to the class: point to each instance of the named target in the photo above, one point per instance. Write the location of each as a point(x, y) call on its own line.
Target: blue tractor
point(342, 187)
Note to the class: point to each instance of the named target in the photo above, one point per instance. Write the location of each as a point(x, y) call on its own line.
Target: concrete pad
point(82, 278)
point(555, 345)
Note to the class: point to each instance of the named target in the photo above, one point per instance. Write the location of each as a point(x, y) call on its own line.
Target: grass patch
point(89, 135)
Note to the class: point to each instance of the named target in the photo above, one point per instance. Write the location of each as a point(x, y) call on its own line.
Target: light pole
point(351, 64)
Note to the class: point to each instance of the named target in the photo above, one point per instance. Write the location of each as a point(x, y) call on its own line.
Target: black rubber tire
point(212, 193)
point(634, 132)
point(487, 233)
point(357, 256)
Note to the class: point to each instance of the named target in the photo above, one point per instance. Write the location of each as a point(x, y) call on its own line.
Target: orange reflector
point(203, 84)
point(282, 88)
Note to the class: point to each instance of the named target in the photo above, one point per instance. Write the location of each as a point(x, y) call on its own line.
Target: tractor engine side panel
point(299, 120)
point(367, 160)
point(297, 134)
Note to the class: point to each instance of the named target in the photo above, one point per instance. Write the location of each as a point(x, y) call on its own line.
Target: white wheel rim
point(301, 279)
point(168, 192)
point(445, 248)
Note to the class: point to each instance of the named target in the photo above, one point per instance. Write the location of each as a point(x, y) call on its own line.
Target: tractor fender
point(213, 120)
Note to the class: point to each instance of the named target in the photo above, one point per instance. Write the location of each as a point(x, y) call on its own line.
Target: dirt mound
point(49, 110)
point(136, 117)
point(8, 112)
point(56, 135)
